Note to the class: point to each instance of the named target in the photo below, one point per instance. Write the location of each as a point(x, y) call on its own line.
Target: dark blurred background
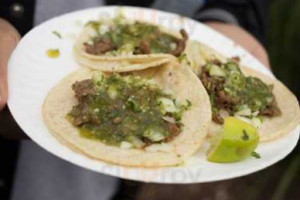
point(279, 182)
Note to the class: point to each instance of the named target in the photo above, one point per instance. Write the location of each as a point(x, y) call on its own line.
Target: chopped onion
point(216, 71)
point(173, 45)
point(254, 114)
point(137, 142)
point(256, 122)
point(167, 105)
point(245, 119)
point(153, 135)
point(90, 42)
point(103, 29)
point(243, 111)
point(112, 92)
point(223, 113)
point(169, 119)
point(125, 145)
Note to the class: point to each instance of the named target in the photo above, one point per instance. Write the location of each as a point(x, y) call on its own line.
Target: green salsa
point(131, 38)
point(230, 90)
point(249, 91)
point(116, 109)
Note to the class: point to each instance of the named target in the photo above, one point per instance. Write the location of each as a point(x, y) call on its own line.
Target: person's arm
point(243, 38)
point(9, 38)
point(244, 21)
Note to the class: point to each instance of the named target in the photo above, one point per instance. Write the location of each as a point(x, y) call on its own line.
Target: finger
point(8, 40)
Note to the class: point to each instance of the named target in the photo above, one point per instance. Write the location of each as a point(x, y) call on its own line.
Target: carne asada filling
point(116, 109)
point(232, 92)
point(123, 38)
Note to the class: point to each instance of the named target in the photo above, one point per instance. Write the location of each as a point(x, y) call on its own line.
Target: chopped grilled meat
point(211, 84)
point(272, 110)
point(227, 99)
point(147, 142)
point(100, 46)
point(215, 62)
point(216, 117)
point(78, 121)
point(214, 85)
point(143, 48)
point(125, 73)
point(184, 34)
point(82, 88)
point(180, 44)
point(174, 130)
point(236, 59)
point(117, 120)
point(204, 77)
point(222, 100)
point(78, 117)
point(84, 115)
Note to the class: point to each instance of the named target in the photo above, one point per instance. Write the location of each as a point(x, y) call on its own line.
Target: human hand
point(9, 38)
point(243, 38)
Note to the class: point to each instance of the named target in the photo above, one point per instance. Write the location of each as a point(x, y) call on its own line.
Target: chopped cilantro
point(57, 34)
point(255, 155)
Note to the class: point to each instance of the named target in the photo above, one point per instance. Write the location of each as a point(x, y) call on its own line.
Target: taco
point(147, 118)
point(197, 54)
point(239, 91)
point(120, 44)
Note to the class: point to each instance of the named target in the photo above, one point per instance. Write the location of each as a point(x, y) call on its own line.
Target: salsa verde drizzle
point(137, 38)
point(116, 108)
point(230, 90)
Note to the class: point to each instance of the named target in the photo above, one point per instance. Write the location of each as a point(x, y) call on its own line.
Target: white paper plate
point(31, 74)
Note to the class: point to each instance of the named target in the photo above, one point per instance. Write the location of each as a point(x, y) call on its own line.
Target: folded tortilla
point(272, 127)
point(173, 78)
point(120, 63)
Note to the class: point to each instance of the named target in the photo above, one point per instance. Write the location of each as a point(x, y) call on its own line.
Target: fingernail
point(1, 97)
point(0, 94)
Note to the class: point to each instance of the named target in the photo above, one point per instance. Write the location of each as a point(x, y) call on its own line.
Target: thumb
point(9, 38)
point(3, 90)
